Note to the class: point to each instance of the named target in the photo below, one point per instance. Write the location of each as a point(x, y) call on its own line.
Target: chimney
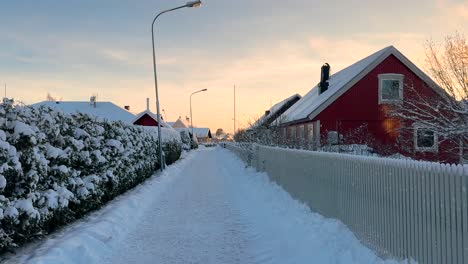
point(127, 107)
point(147, 104)
point(324, 76)
point(267, 112)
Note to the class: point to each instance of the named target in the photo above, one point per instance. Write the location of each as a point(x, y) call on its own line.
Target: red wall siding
point(359, 105)
point(146, 120)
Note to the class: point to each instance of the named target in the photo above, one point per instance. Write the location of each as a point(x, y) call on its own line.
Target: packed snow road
point(207, 208)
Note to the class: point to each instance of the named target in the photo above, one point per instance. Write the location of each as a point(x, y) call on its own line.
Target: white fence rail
point(399, 208)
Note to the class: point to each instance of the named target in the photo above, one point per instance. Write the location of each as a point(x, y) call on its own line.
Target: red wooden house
point(352, 107)
point(147, 118)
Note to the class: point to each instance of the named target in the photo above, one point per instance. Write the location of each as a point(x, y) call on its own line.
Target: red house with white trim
point(352, 106)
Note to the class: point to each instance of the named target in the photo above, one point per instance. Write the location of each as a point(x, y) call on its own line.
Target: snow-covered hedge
point(55, 168)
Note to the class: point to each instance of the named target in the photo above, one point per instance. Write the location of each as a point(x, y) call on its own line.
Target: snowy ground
point(206, 208)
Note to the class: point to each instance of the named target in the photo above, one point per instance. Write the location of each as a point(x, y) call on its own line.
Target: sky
point(269, 50)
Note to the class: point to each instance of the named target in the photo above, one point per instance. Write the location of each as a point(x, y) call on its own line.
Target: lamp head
point(197, 3)
point(204, 90)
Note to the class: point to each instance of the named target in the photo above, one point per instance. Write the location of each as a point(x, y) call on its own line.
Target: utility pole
point(234, 110)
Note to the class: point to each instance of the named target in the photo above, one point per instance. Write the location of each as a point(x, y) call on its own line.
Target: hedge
point(55, 168)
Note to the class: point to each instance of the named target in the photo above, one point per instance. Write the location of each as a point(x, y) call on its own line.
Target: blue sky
point(269, 49)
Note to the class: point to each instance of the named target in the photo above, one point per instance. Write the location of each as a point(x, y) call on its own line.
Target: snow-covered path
point(194, 221)
point(207, 208)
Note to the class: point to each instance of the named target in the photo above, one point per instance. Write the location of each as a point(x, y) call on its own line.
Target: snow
point(21, 129)
point(25, 205)
point(11, 212)
point(103, 110)
point(201, 132)
point(167, 134)
point(52, 199)
point(116, 144)
point(2, 182)
point(207, 208)
point(312, 100)
point(2, 135)
point(53, 152)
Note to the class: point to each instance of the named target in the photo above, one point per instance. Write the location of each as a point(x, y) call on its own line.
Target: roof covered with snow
point(275, 111)
point(312, 103)
point(104, 110)
point(153, 116)
point(179, 123)
point(201, 132)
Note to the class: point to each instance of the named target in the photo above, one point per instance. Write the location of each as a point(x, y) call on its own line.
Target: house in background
point(203, 134)
point(147, 118)
point(102, 110)
point(353, 106)
point(179, 123)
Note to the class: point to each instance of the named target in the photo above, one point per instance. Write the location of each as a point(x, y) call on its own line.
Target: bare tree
point(219, 132)
point(444, 111)
point(50, 98)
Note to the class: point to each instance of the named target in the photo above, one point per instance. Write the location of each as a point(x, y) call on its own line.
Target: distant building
point(147, 118)
point(179, 123)
point(102, 110)
point(203, 134)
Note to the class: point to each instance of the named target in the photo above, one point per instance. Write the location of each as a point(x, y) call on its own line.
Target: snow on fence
point(400, 208)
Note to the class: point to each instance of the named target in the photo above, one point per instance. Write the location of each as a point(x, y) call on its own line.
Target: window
point(425, 139)
point(390, 88)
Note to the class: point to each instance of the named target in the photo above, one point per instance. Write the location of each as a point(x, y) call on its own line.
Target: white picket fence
point(399, 208)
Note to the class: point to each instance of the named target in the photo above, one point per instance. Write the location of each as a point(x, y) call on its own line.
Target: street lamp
point(191, 120)
point(158, 114)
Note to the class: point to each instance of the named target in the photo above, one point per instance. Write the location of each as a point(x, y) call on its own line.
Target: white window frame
point(434, 148)
point(391, 77)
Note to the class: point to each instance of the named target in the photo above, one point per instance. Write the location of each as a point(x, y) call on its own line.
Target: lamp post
point(191, 120)
point(158, 114)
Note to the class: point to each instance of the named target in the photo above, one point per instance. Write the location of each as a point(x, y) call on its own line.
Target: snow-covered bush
point(54, 168)
point(186, 140)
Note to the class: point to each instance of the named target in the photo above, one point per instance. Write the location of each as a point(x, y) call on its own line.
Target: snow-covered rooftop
point(105, 110)
point(275, 111)
point(153, 116)
point(312, 103)
point(179, 123)
point(201, 132)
